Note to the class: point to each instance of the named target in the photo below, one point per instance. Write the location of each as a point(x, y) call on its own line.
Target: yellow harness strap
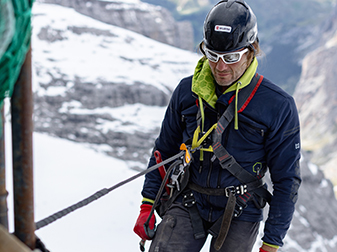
point(197, 142)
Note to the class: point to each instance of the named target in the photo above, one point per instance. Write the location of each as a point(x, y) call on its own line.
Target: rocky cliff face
point(152, 21)
point(313, 225)
point(316, 96)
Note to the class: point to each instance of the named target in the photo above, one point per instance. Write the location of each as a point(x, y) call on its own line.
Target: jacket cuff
point(271, 245)
point(147, 201)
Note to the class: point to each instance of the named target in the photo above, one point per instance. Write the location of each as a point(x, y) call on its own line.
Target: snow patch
point(313, 168)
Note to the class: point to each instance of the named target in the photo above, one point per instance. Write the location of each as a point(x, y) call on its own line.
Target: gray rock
point(151, 21)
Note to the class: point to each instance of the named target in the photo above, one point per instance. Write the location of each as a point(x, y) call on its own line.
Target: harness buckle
point(227, 162)
point(229, 189)
point(236, 190)
point(241, 189)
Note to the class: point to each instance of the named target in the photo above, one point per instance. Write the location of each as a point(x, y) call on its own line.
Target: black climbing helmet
point(230, 25)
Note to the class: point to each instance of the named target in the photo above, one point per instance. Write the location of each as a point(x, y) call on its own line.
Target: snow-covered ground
point(69, 45)
point(67, 172)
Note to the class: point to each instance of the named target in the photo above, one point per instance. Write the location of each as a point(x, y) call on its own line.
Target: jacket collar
point(203, 83)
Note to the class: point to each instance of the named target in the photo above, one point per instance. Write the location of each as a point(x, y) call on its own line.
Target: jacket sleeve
point(283, 154)
point(168, 143)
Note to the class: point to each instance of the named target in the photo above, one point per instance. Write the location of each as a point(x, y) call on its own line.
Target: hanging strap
point(226, 221)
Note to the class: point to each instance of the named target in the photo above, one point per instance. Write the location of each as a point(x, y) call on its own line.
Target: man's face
point(226, 74)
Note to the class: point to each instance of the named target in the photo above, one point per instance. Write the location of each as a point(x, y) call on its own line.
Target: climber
point(239, 125)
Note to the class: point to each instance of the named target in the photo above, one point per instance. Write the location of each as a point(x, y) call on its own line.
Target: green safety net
point(15, 33)
point(7, 23)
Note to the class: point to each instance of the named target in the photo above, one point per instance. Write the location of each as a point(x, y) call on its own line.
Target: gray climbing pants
point(175, 234)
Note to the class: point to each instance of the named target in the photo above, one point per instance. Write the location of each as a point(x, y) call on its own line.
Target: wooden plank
point(9, 242)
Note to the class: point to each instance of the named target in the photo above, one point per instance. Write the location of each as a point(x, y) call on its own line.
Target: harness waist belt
point(237, 190)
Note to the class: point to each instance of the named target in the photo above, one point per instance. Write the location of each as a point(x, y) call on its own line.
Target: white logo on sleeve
point(297, 146)
point(223, 28)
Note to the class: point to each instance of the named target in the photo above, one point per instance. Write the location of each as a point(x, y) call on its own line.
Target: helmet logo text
point(223, 28)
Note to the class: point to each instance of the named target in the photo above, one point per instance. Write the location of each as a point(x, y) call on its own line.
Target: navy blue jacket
point(268, 136)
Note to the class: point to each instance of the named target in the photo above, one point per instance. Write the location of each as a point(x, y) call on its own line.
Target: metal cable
point(58, 215)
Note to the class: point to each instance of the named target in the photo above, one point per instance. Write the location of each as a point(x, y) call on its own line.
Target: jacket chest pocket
point(253, 132)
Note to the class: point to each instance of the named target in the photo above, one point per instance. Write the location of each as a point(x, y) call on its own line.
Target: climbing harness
point(238, 196)
point(250, 183)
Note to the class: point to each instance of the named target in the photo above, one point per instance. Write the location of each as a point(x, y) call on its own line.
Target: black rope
point(101, 193)
point(40, 245)
point(150, 232)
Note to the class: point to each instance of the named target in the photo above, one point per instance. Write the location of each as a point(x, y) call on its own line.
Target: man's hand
point(145, 210)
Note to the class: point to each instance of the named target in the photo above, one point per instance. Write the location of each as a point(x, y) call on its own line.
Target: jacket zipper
point(211, 163)
point(208, 185)
point(259, 130)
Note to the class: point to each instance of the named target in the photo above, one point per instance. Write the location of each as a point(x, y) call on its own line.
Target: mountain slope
point(86, 71)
